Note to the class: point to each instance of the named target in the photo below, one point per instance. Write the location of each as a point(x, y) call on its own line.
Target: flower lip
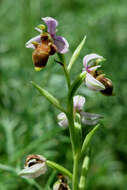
point(108, 91)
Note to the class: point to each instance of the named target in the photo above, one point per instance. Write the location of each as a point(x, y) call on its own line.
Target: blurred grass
point(28, 122)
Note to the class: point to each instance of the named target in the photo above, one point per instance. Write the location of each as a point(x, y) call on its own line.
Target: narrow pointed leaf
point(48, 96)
point(59, 168)
point(84, 171)
point(88, 138)
point(76, 53)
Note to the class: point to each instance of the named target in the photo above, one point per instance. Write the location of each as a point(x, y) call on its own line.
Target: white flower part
point(62, 120)
point(34, 168)
point(34, 39)
point(79, 102)
point(56, 186)
point(93, 84)
point(90, 118)
point(88, 58)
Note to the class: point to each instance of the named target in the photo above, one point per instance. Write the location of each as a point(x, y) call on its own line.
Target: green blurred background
point(28, 122)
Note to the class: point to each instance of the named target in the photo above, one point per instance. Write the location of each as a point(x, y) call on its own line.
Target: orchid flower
point(61, 183)
point(60, 42)
point(94, 80)
point(34, 167)
point(90, 63)
point(86, 118)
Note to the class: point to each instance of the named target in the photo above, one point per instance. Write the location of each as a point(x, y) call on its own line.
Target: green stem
point(71, 123)
point(62, 59)
point(59, 168)
point(85, 165)
point(73, 142)
point(67, 75)
point(75, 173)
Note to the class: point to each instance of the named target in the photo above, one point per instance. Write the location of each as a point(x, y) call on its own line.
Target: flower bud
point(35, 166)
point(79, 102)
point(62, 120)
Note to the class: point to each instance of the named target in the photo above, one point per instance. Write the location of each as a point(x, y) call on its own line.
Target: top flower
point(60, 42)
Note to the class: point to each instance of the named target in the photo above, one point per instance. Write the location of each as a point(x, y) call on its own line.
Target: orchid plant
point(71, 116)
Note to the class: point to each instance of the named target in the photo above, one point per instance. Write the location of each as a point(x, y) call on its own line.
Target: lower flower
point(61, 184)
point(86, 118)
point(34, 167)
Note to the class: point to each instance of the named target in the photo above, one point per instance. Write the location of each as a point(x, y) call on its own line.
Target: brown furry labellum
point(108, 91)
point(43, 51)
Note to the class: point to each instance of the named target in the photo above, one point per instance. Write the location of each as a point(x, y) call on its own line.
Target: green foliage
point(28, 122)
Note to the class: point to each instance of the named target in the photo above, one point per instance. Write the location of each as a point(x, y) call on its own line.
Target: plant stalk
point(75, 173)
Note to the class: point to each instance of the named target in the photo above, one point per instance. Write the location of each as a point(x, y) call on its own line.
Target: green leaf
point(48, 96)
point(7, 168)
point(76, 54)
point(50, 180)
point(88, 138)
point(84, 171)
point(59, 168)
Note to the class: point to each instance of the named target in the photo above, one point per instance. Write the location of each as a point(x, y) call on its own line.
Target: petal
point(56, 186)
point(90, 118)
point(61, 43)
point(79, 102)
point(35, 39)
point(34, 171)
point(51, 24)
point(90, 57)
point(93, 84)
point(62, 120)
